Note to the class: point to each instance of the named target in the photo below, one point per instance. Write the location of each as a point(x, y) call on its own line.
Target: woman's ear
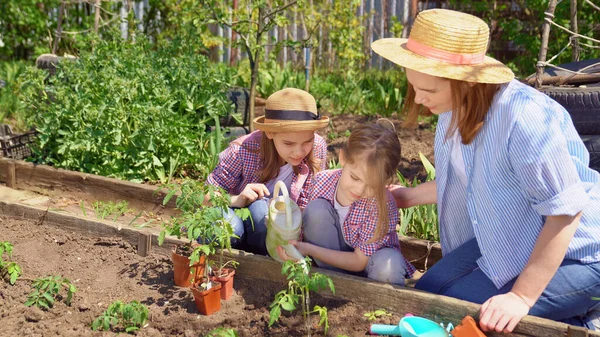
point(270, 135)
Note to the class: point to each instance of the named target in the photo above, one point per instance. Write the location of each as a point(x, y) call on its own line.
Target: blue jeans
point(252, 231)
point(321, 226)
point(252, 237)
point(567, 298)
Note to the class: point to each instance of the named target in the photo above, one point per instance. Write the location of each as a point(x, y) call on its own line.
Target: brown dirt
point(105, 269)
point(412, 141)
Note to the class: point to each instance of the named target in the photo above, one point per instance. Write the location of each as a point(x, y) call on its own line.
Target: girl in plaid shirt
point(350, 222)
point(284, 147)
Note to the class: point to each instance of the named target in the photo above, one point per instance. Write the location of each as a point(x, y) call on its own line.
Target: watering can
point(410, 326)
point(283, 223)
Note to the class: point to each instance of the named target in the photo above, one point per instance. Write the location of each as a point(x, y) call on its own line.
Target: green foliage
point(119, 316)
point(300, 283)
point(518, 26)
point(10, 106)
point(129, 110)
point(8, 269)
point(370, 92)
point(107, 209)
point(222, 332)
point(420, 221)
point(46, 291)
point(195, 220)
point(346, 34)
point(373, 315)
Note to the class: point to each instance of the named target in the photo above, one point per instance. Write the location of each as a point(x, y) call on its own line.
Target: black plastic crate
point(17, 146)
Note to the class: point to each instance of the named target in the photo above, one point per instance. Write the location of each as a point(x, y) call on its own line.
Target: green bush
point(129, 110)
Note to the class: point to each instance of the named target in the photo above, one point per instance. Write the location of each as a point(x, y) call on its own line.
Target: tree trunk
point(253, 82)
point(544, 48)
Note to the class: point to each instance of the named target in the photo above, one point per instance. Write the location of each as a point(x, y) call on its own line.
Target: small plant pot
point(226, 280)
point(207, 301)
point(182, 272)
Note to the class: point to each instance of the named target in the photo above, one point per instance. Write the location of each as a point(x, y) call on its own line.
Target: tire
point(582, 103)
point(592, 143)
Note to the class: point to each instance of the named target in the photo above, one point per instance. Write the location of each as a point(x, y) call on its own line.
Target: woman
point(519, 207)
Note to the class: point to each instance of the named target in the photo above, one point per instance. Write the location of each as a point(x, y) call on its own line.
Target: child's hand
point(302, 248)
point(250, 194)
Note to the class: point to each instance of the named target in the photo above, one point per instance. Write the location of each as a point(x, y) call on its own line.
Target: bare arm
point(351, 261)
point(503, 312)
point(251, 193)
point(423, 194)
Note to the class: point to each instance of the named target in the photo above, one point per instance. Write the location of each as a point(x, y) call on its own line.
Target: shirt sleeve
point(320, 152)
point(370, 225)
point(540, 158)
point(228, 172)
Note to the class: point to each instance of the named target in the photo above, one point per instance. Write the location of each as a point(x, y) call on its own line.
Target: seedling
point(373, 315)
point(222, 332)
point(106, 209)
point(46, 291)
point(300, 284)
point(130, 317)
point(197, 220)
point(8, 269)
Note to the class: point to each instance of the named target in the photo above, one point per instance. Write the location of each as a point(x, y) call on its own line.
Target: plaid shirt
point(240, 162)
point(361, 221)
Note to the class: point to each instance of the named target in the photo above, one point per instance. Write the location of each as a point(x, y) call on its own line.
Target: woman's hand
point(501, 313)
point(250, 194)
point(406, 197)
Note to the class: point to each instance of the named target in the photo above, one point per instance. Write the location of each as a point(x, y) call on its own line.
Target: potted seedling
point(188, 264)
point(222, 233)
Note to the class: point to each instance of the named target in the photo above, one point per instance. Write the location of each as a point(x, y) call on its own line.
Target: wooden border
point(41, 178)
point(351, 288)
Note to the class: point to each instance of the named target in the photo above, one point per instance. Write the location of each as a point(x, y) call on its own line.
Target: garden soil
point(105, 269)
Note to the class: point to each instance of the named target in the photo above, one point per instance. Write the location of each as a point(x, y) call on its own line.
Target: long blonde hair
point(470, 104)
point(271, 161)
point(377, 145)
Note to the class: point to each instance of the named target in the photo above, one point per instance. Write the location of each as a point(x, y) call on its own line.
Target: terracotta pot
point(226, 280)
point(207, 301)
point(182, 270)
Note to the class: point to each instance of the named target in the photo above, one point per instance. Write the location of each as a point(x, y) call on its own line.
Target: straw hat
point(290, 110)
point(448, 44)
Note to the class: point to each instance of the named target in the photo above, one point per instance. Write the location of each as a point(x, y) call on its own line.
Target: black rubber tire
point(592, 143)
point(582, 103)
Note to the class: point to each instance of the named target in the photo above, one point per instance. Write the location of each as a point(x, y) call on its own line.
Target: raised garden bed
point(259, 271)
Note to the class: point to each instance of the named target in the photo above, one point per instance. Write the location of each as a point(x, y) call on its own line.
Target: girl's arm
point(503, 312)
point(423, 194)
point(354, 261)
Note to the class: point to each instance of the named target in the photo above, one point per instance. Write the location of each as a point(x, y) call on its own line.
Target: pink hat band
point(444, 56)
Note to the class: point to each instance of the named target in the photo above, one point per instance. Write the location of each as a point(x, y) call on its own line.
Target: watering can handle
point(288, 210)
point(385, 329)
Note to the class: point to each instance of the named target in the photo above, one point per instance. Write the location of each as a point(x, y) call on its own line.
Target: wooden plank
point(144, 244)
point(359, 290)
point(39, 177)
point(419, 252)
point(11, 175)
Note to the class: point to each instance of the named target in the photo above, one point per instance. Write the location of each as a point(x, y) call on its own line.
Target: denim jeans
point(252, 237)
point(253, 230)
point(321, 226)
point(567, 298)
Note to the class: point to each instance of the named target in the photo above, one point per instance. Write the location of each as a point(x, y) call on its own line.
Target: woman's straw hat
point(448, 44)
point(290, 110)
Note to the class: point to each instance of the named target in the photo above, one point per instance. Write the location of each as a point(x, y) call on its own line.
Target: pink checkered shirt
point(240, 162)
point(361, 221)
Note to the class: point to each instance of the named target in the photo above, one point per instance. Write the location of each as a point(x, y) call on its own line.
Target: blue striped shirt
point(526, 163)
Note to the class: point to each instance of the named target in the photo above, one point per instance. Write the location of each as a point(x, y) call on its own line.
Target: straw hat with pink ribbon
point(289, 110)
point(447, 44)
